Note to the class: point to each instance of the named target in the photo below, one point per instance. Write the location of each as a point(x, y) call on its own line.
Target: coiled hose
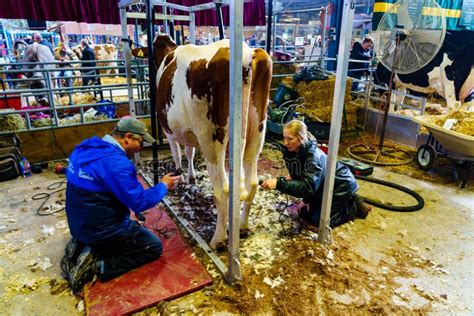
point(395, 208)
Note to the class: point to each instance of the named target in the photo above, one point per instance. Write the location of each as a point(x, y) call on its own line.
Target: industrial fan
point(408, 37)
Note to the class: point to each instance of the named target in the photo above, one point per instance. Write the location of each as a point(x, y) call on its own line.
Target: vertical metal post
point(268, 45)
point(128, 66)
point(274, 32)
point(165, 22)
point(135, 34)
point(49, 86)
point(183, 39)
point(152, 82)
point(336, 119)
point(235, 103)
point(323, 36)
point(368, 91)
point(192, 28)
point(220, 22)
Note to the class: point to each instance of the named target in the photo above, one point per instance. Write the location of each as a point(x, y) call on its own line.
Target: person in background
point(40, 40)
point(102, 188)
point(88, 58)
point(360, 51)
point(306, 164)
point(66, 73)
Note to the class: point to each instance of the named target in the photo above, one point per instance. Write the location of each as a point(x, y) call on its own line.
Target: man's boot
point(362, 209)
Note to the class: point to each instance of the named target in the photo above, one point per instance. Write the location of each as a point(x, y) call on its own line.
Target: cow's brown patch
point(198, 79)
point(162, 46)
point(164, 95)
point(219, 73)
point(110, 49)
point(261, 79)
point(219, 135)
point(96, 52)
point(211, 81)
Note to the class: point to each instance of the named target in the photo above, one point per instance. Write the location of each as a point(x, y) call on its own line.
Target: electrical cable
point(46, 195)
point(412, 208)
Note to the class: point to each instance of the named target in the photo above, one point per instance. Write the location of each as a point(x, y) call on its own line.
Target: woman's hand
point(288, 178)
point(269, 184)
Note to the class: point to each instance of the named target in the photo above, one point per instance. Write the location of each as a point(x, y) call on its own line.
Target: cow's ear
point(141, 52)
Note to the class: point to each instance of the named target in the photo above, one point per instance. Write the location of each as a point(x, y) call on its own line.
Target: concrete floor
point(437, 243)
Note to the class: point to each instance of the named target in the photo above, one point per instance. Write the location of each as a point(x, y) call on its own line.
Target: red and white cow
point(193, 109)
point(102, 52)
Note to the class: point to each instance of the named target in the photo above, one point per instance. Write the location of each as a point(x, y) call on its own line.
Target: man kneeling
point(102, 188)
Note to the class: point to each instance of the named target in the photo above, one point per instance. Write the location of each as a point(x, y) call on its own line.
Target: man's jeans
point(126, 252)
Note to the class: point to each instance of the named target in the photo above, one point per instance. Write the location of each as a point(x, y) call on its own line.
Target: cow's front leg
point(190, 156)
point(220, 183)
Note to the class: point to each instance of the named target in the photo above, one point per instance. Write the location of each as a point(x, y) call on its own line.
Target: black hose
point(411, 208)
point(46, 195)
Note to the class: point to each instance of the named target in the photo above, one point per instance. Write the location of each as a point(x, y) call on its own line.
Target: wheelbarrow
point(441, 142)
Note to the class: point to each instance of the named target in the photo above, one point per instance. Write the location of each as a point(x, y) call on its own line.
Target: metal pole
point(274, 32)
point(49, 86)
point(389, 94)
point(128, 66)
point(152, 82)
point(165, 22)
point(268, 45)
point(220, 22)
point(368, 91)
point(336, 118)
point(192, 28)
point(323, 36)
point(235, 103)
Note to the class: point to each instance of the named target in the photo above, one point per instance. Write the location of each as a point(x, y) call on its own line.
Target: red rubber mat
point(175, 274)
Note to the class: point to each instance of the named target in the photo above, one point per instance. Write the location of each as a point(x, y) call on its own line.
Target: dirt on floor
point(390, 263)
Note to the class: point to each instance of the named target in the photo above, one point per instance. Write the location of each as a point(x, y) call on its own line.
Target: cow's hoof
point(191, 180)
point(218, 246)
point(245, 232)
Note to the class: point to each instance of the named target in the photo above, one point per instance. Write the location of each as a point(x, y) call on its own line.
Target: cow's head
point(162, 46)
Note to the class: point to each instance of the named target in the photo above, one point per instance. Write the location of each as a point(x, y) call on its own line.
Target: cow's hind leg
point(220, 183)
point(251, 182)
point(176, 152)
point(190, 156)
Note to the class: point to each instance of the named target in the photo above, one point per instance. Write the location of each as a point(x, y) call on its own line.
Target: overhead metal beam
point(158, 16)
point(207, 6)
point(170, 5)
point(126, 3)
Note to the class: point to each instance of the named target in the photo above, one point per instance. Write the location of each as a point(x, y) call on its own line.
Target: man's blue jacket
point(102, 187)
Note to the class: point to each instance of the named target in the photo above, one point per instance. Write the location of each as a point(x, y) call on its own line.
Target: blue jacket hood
point(92, 149)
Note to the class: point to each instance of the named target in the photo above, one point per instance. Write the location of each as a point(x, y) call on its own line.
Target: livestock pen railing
point(56, 96)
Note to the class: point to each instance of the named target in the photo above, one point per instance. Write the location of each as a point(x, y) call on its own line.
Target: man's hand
point(170, 181)
point(269, 184)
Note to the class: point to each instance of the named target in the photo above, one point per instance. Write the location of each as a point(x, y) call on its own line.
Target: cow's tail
point(260, 89)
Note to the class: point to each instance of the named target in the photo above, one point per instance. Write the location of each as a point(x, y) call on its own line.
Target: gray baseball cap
point(134, 126)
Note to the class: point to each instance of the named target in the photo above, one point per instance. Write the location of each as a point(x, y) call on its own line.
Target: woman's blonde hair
point(299, 129)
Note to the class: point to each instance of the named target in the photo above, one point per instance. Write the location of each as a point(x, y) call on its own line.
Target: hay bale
point(11, 122)
point(318, 96)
